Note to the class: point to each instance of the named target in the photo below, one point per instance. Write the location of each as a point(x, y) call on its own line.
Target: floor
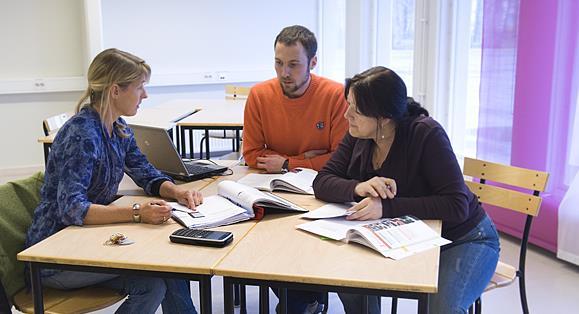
point(551, 285)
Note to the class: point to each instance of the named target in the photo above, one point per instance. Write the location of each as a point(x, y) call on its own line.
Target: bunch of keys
point(118, 239)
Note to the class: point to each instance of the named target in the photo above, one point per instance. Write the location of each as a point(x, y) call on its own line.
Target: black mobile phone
point(201, 237)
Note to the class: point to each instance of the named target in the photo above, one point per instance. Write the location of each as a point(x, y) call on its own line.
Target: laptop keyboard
point(195, 169)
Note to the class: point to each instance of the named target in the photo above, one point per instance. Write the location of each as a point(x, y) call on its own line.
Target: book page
point(239, 194)
point(333, 228)
point(299, 180)
point(246, 197)
point(331, 210)
point(396, 237)
point(260, 181)
point(215, 211)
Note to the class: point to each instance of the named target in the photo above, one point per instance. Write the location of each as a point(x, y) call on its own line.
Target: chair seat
point(82, 300)
point(505, 275)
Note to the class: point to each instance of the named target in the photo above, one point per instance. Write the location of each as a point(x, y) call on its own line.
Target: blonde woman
point(88, 158)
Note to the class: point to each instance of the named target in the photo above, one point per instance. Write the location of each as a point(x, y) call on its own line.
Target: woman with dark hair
point(395, 161)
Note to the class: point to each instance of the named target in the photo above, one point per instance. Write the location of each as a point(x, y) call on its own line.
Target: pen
point(192, 213)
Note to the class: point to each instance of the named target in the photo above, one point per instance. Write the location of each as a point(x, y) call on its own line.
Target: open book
point(234, 202)
point(298, 180)
point(392, 237)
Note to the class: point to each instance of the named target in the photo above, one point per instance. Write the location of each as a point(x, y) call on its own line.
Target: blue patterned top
point(85, 166)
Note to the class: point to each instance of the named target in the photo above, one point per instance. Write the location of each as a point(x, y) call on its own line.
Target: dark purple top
point(421, 161)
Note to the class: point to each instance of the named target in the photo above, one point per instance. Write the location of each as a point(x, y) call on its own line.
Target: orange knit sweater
point(276, 124)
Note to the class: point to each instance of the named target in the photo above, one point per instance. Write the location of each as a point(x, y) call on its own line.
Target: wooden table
point(152, 254)
point(215, 114)
point(276, 254)
point(268, 253)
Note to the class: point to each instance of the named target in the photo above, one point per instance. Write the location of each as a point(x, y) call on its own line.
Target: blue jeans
point(466, 266)
point(145, 294)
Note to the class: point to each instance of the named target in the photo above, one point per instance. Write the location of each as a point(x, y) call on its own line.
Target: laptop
point(156, 144)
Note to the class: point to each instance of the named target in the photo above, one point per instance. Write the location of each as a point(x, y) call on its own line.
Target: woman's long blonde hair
point(111, 66)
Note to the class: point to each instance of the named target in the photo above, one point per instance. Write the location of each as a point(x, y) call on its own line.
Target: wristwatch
point(136, 213)
point(285, 166)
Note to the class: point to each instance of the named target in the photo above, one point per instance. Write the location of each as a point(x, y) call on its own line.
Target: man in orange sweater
point(296, 119)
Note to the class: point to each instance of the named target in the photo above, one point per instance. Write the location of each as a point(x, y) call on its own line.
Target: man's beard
point(289, 92)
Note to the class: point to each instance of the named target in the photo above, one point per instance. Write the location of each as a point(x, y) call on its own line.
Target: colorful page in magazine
point(394, 237)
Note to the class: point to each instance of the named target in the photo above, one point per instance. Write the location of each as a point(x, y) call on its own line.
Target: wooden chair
point(509, 199)
point(51, 124)
point(18, 199)
point(232, 92)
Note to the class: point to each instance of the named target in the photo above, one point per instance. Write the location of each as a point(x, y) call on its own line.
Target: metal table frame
point(34, 268)
point(184, 128)
point(228, 282)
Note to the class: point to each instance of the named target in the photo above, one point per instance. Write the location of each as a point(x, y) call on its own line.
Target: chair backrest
point(533, 180)
point(52, 124)
point(505, 197)
point(236, 92)
point(18, 199)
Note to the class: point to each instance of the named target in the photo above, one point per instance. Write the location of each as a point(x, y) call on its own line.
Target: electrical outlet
point(222, 76)
point(208, 76)
point(39, 84)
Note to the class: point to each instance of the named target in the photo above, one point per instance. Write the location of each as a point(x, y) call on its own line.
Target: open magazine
point(233, 203)
point(392, 237)
point(299, 180)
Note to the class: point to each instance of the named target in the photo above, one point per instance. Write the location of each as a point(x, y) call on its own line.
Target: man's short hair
point(292, 34)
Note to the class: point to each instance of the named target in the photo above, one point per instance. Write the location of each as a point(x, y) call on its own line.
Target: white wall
point(48, 43)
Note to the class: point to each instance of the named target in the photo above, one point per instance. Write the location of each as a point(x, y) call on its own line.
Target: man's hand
point(271, 163)
point(314, 152)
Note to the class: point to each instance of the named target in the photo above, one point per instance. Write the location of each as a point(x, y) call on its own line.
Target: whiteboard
point(181, 37)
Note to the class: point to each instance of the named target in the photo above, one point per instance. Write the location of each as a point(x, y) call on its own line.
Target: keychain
point(118, 239)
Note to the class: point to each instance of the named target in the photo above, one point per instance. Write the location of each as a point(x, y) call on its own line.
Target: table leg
point(237, 140)
point(182, 135)
point(263, 299)
point(283, 300)
point(207, 155)
point(36, 288)
point(423, 303)
point(191, 153)
point(46, 147)
point(364, 304)
point(236, 295)
point(242, 300)
point(227, 295)
point(205, 294)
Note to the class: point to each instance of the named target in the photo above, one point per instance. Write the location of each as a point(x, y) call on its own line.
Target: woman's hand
point(376, 187)
point(187, 197)
point(183, 195)
point(368, 209)
point(155, 212)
